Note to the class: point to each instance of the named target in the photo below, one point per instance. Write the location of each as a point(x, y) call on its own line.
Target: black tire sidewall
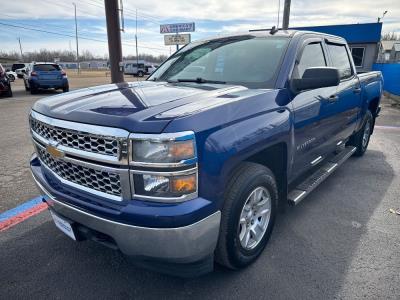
point(239, 256)
point(359, 137)
point(369, 118)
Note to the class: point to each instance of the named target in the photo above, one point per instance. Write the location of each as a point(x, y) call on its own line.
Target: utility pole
point(20, 49)
point(76, 37)
point(279, 13)
point(137, 52)
point(286, 15)
point(114, 40)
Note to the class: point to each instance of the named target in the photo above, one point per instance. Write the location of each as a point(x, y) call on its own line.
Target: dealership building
point(363, 39)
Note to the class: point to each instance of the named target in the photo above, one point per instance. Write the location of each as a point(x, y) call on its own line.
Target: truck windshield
point(245, 60)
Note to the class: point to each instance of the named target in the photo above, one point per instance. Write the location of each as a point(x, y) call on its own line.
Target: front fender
point(226, 148)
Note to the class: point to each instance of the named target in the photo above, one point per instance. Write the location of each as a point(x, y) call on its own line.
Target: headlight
point(165, 149)
point(168, 186)
point(167, 166)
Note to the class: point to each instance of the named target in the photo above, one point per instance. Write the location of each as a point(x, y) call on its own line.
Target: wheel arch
point(274, 157)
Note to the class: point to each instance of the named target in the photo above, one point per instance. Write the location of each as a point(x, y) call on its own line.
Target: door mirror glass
point(315, 78)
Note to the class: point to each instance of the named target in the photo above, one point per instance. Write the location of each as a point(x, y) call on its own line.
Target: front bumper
point(180, 245)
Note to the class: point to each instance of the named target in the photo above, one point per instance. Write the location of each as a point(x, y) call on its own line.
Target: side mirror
point(315, 78)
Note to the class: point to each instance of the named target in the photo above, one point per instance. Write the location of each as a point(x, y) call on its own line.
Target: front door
point(314, 116)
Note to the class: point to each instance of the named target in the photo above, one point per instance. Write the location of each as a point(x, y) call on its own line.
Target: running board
point(315, 179)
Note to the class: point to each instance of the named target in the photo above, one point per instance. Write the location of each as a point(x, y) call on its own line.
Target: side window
point(312, 56)
point(340, 60)
point(358, 55)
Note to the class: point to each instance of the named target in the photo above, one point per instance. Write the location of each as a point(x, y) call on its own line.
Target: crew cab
point(193, 165)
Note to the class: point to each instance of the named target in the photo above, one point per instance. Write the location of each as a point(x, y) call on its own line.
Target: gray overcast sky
point(211, 17)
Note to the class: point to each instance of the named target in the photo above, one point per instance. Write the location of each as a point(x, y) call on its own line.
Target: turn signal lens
point(182, 150)
point(184, 184)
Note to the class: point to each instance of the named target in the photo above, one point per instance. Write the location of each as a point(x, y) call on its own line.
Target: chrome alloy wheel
point(366, 134)
point(254, 218)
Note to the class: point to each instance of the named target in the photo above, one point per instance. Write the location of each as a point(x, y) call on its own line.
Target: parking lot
point(340, 243)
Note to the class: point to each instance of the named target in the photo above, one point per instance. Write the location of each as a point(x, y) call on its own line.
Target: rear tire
point(140, 74)
point(9, 92)
point(360, 140)
point(241, 216)
point(26, 86)
point(33, 90)
point(65, 89)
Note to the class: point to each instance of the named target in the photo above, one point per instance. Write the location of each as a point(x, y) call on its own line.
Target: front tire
point(140, 74)
point(360, 140)
point(248, 216)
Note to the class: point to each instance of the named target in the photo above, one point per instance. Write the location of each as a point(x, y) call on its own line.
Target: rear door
point(347, 99)
point(314, 118)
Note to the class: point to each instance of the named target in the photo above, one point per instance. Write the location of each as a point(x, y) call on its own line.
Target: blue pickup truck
point(194, 164)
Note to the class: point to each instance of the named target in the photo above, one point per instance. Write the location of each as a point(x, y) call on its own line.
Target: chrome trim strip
point(317, 160)
point(299, 196)
point(168, 173)
point(123, 174)
point(174, 136)
point(120, 135)
point(332, 168)
point(339, 143)
point(100, 131)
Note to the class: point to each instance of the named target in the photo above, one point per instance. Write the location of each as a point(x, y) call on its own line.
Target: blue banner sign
point(178, 27)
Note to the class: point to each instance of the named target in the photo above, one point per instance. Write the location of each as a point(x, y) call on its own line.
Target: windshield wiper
point(200, 80)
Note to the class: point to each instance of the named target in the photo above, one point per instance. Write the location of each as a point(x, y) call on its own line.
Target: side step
point(315, 179)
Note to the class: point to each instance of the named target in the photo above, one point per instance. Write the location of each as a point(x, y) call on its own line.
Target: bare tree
point(391, 36)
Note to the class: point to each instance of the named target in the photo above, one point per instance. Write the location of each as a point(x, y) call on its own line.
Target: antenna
point(273, 30)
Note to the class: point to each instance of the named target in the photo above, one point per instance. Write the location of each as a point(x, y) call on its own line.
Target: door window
point(358, 55)
point(312, 56)
point(340, 60)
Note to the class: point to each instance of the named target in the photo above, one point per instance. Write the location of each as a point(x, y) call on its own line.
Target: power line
point(72, 36)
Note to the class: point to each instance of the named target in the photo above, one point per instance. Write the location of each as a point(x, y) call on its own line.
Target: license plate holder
point(64, 225)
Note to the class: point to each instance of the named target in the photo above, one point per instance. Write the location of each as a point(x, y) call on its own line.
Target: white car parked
point(11, 75)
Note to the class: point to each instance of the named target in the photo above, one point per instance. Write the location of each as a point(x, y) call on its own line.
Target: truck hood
point(145, 106)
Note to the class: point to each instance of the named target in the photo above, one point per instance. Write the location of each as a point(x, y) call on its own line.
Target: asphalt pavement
point(341, 242)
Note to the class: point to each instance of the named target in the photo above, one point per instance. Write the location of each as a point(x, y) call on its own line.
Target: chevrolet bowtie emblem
point(54, 151)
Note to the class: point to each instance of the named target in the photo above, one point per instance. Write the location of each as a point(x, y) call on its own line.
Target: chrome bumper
point(178, 245)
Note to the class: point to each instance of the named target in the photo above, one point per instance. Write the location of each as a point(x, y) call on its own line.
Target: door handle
point(333, 98)
point(357, 90)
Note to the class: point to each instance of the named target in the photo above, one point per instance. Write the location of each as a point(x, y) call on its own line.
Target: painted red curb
point(22, 216)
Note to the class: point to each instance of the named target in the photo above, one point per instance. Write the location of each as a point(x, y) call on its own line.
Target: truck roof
point(267, 32)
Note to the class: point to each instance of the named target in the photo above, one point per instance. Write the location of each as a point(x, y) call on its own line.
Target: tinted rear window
point(17, 66)
point(47, 68)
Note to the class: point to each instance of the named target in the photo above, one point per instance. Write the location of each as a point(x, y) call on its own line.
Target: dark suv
point(5, 84)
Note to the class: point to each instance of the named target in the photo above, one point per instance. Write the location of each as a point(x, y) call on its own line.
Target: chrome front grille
point(76, 139)
point(88, 157)
point(97, 180)
point(101, 181)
